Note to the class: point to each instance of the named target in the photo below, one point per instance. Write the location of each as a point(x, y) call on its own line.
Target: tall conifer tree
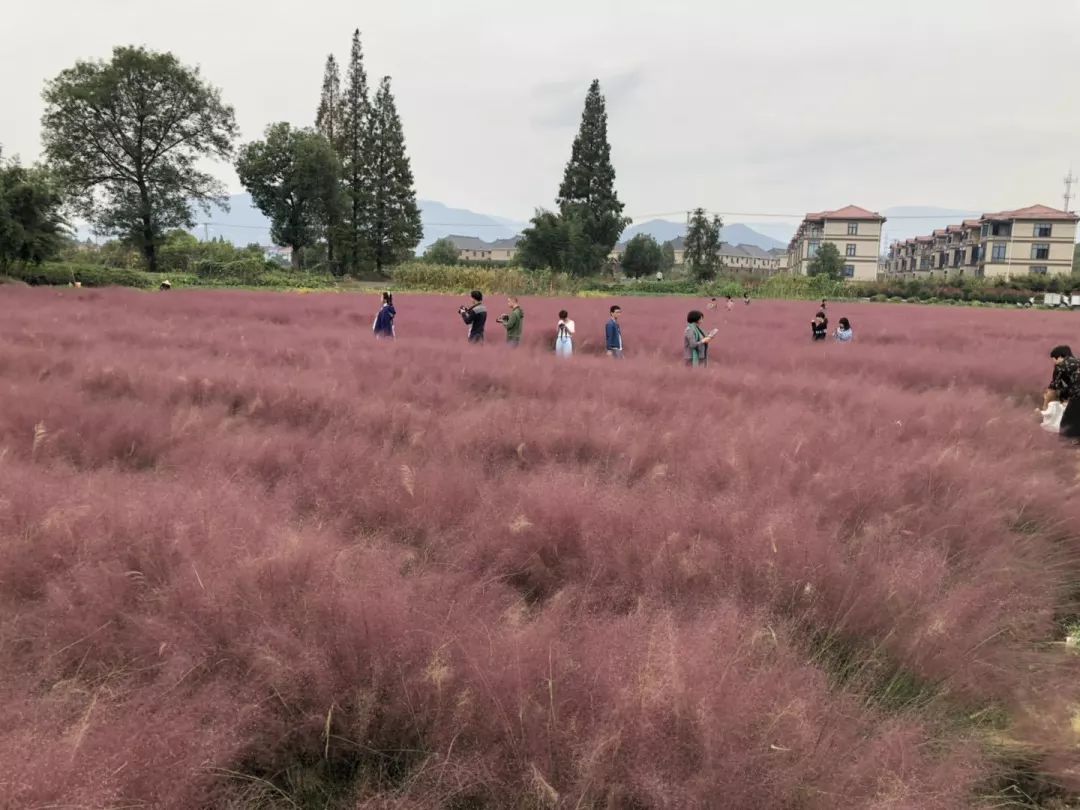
point(356, 112)
point(587, 192)
point(329, 122)
point(392, 226)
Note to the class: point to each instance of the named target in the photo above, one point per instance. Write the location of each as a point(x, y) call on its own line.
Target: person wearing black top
point(1066, 384)
point(475, 317)
point(819, 327)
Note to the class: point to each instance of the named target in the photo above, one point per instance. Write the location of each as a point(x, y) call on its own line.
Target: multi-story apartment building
point(854, 231)
point(1037, 239)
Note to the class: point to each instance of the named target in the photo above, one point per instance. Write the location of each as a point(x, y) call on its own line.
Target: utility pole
point(206, 231)
point(1069, 180)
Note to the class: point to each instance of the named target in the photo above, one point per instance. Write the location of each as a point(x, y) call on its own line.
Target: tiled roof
point(475, 243)
point(847, 212)
point(1033, 212)
point(972, 223)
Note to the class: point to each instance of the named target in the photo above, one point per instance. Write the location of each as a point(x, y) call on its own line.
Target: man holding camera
point(514, 323)
point(475, 317)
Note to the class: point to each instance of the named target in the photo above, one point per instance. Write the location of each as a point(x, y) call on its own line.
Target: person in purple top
point(384, 321)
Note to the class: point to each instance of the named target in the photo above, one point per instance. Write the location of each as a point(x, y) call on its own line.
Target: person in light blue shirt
point(843, 331)
point(613, 334)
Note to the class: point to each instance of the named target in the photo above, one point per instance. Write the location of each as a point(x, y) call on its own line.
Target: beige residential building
point(473, 249)
point(1037, 239)
point(738, 258)
point(854, 231)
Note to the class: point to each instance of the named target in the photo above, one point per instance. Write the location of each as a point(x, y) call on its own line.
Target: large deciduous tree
point(392, 228)
point(293, 177)
point(703, 245)
point(32, 227)
point(827, 263)
point(643, 257)
point(442, 251)
point(126, 138)
point(556, 242)
point(588, 187)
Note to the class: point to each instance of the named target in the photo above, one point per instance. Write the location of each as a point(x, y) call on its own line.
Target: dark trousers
point(1070, 420)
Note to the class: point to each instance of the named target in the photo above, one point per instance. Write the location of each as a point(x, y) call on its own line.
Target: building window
point(1041, 251)
point(814, 246)
point(1001, 229)
point(1039, 270)
point(1043, 230)
point(999, 252)
point(849, 271)
point(851, 248)
point(853, 229)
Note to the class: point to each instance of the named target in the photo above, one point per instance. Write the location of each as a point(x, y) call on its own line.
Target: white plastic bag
point(1051, 417)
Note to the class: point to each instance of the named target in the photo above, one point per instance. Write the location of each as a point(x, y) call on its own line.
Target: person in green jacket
point(514, 322)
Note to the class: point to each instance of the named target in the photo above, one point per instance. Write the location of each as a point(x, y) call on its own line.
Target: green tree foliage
point(587, 192)
point(126, 138)
point(828, 263)
point(703, 245)
point(330, 123)
point(556, 242)
point(669, 256)
point(442, 252)
point(391, 227)
point(32, 228)
point(293, 177)
point(355, 119)
point(1076, 260)
point(643, 257)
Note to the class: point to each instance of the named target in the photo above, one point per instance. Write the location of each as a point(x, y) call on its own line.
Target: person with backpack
point(475, 317)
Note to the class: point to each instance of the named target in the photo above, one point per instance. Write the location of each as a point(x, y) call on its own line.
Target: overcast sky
point(756, 106)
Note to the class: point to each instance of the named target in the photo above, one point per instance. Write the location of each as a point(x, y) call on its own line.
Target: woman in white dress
point(564, 337)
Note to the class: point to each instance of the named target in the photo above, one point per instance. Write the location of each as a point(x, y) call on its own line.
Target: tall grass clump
point(251, 557)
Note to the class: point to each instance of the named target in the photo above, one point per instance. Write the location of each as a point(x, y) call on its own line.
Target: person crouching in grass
point(695, 341)
point(1066, 385)
point(514, 322)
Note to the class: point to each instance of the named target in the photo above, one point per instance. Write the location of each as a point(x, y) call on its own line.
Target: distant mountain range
point(243, 223)
point(663, 230)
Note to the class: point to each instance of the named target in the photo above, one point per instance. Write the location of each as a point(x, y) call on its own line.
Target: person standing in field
point(613, 334)
point(514, 322)
point(564, 336)
point(819, 327)
point(746, 299)
point(695, 341)
point(475, 317)
point(843, 331)
point(384, 320)
point(1066, 384)
point(730, 304)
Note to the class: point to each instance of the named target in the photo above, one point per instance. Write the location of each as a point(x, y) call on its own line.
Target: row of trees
point(32, 227)
point(347, 183)
point(125, 141)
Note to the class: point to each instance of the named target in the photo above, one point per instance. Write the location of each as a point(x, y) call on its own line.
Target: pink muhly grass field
point(251, 557)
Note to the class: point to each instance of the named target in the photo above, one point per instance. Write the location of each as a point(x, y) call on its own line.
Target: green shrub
point(458, 278)
point(88, 275)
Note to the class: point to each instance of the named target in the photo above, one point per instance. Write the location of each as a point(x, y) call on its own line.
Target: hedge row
point(455, 278)
point(244, 273)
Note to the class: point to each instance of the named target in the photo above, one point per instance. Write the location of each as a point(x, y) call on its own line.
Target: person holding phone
point(695, 341)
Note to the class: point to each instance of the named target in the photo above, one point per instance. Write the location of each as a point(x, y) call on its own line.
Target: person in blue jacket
point(613, 334)
point(384, 321)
